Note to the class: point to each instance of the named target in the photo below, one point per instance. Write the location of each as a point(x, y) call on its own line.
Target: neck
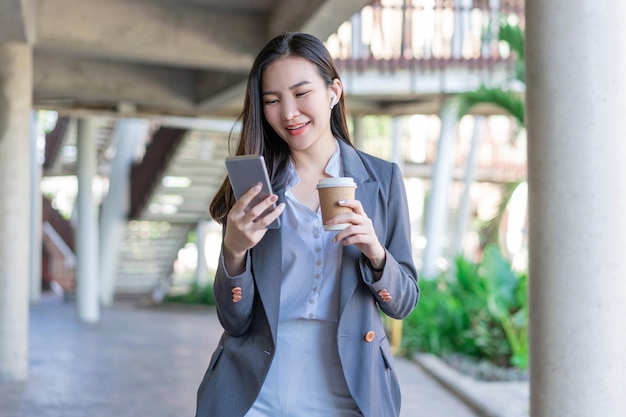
point(314, 160)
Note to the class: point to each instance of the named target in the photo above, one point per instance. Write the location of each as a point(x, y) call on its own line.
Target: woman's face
point(296, 103)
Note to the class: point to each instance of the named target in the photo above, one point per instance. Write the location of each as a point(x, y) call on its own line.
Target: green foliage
point(491, 228)
point(509, 101)
point(192, 237)
point(478, 310)
point(197, 294)
point(430, 327)
point(513, 35)
point(507, 303)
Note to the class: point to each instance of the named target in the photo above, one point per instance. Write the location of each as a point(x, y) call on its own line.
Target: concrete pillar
point(116, 205)
point(462, 22)
point(16, 66)
point(464, 211)
point(396, 141)
point(201, 269)
point(357, 131)
point(36, 159)
point(87, 280)
point(437, 209)
point(576, 104)
point(357, 48)
point(492, 33)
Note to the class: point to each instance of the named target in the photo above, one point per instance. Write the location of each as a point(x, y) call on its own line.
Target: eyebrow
point(293, 87)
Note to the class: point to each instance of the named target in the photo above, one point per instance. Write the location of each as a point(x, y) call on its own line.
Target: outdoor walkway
point(147, 361)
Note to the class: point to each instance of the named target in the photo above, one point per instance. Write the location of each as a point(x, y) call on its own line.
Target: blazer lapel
point(366, 193)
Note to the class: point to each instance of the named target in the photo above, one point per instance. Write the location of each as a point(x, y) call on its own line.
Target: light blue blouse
point(311, 262)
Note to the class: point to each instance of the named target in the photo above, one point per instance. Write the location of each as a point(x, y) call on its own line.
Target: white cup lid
point(336, 182)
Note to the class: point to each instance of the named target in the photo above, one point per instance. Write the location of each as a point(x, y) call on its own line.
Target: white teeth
point(296, 127)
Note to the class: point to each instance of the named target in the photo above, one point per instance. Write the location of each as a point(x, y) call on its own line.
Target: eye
point(302, 93)
point(270, 101)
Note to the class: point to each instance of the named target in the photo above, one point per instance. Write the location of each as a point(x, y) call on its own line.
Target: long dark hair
point(257, 137)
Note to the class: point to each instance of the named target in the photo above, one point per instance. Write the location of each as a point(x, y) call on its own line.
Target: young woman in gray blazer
point(300, 306)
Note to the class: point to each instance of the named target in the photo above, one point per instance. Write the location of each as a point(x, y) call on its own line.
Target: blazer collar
point(352, 164)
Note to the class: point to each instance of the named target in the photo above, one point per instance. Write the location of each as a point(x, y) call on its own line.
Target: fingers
point(355, 217)
point(247, 197)
point(251, 213)
point(361, 231)
point(355, 205)
point(384, 295)
point(361, 226)
point(247, 225)
point(236, 293)
point(263, 213)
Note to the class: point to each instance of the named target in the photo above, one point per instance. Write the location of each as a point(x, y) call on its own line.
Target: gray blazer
point(243, 356)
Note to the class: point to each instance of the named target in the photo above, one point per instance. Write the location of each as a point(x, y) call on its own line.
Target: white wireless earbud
point(333, 98)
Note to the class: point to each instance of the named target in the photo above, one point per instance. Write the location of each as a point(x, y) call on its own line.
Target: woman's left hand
point(360, 233)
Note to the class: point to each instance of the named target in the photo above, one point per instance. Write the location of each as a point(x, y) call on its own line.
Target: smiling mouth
point(296, 127)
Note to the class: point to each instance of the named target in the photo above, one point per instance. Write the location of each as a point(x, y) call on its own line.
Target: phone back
point(244, 173)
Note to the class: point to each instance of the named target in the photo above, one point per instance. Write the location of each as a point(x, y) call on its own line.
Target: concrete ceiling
point(159, 57)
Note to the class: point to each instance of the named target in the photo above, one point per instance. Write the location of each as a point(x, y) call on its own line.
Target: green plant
point(429, 327)
point(509, 101)
point(197, 294)
point(504, 98)
point(507, 303)
point(475, 309)
point(481, 335)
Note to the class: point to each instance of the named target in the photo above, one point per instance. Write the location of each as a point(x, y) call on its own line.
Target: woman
point(301, 306)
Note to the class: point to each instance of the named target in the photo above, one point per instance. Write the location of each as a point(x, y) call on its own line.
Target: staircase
point(179, 200)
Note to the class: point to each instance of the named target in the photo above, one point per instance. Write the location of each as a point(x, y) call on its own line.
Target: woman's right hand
point(243, 232)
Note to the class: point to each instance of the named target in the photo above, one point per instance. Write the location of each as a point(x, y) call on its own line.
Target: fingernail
point(257, 187)
point(341, 202)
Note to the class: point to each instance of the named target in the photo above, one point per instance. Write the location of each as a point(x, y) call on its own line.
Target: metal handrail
point(424, 34)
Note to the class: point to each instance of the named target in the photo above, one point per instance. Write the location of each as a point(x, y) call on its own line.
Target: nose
point(289, 109)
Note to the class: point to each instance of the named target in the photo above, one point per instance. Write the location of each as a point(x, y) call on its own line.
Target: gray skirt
point(305, 378)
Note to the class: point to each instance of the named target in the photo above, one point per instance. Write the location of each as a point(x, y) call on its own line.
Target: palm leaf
point(514, 37)
point(508, 101)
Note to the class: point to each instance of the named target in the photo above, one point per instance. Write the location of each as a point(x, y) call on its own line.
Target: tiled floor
point(146, 361)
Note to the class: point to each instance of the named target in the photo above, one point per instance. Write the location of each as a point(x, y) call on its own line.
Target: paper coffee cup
point(331, 190)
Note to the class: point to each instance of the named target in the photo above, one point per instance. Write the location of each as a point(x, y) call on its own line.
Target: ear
point(336, 89)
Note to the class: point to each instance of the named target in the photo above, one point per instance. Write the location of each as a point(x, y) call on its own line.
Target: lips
point(297, 129)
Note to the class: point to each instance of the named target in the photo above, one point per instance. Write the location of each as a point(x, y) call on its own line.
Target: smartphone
point(245, 172)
